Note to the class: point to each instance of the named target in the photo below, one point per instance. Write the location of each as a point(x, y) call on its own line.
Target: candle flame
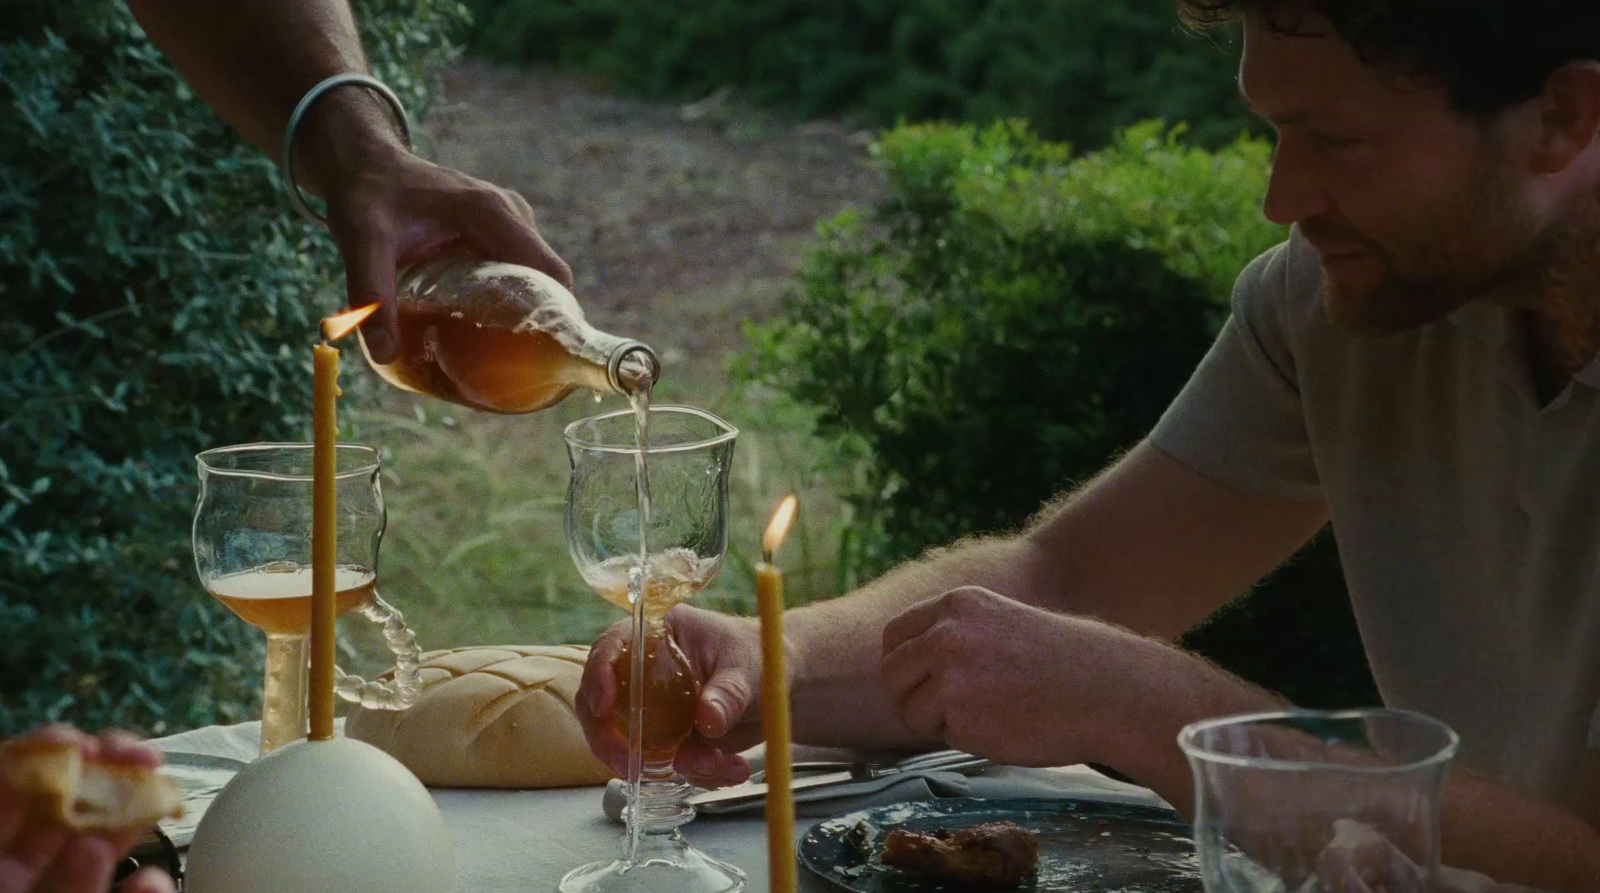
point(336, 327)
point(778, 527)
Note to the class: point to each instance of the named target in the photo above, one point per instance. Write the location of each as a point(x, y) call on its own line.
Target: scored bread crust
point(85, 795)
point(490, 717)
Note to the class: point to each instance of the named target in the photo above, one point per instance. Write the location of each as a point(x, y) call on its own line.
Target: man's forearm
point(1492, 828)
point(251, 63)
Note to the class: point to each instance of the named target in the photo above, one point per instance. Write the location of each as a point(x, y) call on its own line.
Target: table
point(526, 840)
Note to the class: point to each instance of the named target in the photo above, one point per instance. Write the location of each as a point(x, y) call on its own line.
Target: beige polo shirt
point(1467, 516)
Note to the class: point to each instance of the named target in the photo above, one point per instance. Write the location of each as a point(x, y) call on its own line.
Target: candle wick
point(766, 556)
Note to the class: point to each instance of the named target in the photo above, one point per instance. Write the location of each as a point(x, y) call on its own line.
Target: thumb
point(369, 276)
point(725, 699)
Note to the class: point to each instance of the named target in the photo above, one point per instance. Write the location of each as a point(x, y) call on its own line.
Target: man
point(1416, 365)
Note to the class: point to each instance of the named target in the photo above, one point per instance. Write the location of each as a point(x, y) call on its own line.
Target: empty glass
point(1318, 802)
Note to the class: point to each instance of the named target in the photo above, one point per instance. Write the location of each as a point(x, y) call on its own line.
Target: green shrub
point(159, 300)
point(1010, 320)
point(1079, 69)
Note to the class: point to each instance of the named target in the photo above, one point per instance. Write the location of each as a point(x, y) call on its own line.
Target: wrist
point(349, 130)
point(1171, 688)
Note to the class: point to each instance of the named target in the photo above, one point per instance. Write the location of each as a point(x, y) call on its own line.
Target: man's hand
point(724, 654)
point(1009, 681)
point(395, 208)
point(37, 855)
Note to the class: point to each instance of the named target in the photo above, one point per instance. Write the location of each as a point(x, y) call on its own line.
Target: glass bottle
point(503, 338)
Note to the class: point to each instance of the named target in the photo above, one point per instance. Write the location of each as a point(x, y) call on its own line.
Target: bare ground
point(679, 221)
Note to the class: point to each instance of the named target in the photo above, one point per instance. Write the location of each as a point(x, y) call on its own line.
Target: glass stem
point(636, 725)
point(283, 691)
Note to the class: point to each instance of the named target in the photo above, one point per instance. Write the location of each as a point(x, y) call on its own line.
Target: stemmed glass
point(252, 551)
point(688, 455)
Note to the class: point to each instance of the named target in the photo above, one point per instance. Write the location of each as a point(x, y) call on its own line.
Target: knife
point(755, 790)
point(875, 780)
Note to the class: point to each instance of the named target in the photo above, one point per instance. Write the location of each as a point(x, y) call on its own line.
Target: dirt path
point(680, 222)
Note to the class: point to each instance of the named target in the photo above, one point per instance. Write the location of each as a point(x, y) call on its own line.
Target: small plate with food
point(1004, 844)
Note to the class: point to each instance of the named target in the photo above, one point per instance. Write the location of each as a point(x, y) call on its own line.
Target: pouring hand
point(395, 209)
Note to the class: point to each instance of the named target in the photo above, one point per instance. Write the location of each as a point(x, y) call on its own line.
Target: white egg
point(323, 816)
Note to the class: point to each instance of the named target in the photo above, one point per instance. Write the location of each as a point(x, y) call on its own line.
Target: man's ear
point(1568, 116)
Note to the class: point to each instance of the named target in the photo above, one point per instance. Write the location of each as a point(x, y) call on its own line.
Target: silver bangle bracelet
point(296, 197)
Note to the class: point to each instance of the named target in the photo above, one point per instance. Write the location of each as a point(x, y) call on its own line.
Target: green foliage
point(159, 298)
point(1011, 319)
point(1079, 69)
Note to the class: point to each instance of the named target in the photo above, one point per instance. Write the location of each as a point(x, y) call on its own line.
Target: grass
point(475, 552)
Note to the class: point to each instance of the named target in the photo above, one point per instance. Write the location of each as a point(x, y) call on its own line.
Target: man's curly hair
point(1486, 54)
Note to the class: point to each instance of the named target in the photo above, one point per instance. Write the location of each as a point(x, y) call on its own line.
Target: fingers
point(597, 696)
point(725, 698)
point(912, 622)
point(913, 688)
point(149, 880)
point(501, 223)
point(369, 267)
point(118, 746)
point(25, 857)
point(83, 865)
point(708, 766)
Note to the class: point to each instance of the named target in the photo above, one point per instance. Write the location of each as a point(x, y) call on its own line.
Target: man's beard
point(1480, 243)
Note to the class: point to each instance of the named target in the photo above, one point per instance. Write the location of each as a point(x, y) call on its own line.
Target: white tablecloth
point(526, 840)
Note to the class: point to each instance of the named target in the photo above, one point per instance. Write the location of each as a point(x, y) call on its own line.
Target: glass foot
point(665, 865)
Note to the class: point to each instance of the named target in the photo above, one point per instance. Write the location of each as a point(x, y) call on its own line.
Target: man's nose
point(1296, 189)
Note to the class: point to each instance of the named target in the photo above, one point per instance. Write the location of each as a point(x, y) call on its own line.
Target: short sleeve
point(1239, 421)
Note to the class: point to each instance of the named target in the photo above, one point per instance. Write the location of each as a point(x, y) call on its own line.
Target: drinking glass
point(1318, 802)
point(688, 455)
point(252, 552)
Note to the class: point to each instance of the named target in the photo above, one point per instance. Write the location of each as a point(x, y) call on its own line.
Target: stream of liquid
point(638, 583)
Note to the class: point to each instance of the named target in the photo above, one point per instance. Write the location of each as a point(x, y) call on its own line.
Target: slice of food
point(84, 795)
point(995, 853)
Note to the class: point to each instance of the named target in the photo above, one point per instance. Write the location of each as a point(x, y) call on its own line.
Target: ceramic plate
point(1084, 846)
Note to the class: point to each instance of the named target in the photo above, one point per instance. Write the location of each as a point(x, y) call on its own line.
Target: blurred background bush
point(1078, 69)
point(1019, 310)
point(158, 298)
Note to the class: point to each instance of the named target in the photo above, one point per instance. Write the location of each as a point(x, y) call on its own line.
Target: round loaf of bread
point(490, 717)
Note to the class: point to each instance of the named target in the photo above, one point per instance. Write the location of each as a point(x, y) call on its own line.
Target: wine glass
point(687, 456)
point(1318, 802)
point(252, 551)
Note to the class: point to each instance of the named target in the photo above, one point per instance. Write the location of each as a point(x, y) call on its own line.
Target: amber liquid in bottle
point(486, 367)
point(503, 338)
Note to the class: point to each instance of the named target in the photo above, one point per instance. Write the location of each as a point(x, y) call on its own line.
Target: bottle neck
point(631, 366)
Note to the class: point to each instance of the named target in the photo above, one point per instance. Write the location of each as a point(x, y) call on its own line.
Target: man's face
point(1415, 209)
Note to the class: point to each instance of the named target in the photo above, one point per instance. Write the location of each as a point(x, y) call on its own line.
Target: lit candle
point(324, 536)
point(324, 515)
point(783, 877)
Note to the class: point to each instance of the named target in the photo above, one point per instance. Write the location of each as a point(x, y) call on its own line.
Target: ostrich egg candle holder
point(323, 815)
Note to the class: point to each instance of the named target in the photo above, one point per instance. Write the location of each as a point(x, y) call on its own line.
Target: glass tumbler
point(1318, 802)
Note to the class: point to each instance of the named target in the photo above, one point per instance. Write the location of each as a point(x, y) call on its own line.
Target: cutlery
point(855, 773)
